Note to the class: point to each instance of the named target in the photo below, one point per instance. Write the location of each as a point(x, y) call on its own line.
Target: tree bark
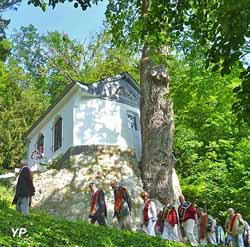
point(157, 127)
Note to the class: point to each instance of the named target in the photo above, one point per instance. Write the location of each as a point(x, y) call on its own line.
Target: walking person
point(211, 230)
point(98, 210)
point(122, 206)
point(24, 190)
point(188, 219)
point(234, 226)
point(170, 219)
point(246, 234)
point(148, 214)
point(207, 228)
point(220, 234)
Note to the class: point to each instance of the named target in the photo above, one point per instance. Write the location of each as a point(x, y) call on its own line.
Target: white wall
point(64, 110)
point(87, 120)
point(105, 122)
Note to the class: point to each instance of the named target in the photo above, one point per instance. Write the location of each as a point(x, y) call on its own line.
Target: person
point(148, 214)
point(211, 230)
point(170, 219)
point(98, 210)
point(38, 159)
point(188, 219)
point(207, 227)
point(234, 226)
point(24, 190)
point(220, 234)
point(246, 234)
point(159, 223)
point(122, 206)
point(228, 240)
point(23, 163)
point(203, 222)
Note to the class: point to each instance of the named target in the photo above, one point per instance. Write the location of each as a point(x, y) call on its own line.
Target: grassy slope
point(44, 230)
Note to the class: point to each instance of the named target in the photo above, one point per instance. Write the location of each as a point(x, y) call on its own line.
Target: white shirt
point(152, 212)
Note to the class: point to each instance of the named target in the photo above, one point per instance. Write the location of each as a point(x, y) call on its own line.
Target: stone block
point(65, 191)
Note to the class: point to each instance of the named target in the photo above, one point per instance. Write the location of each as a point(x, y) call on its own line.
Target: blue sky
point(78, 24)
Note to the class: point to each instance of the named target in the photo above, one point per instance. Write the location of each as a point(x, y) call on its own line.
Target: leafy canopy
point(37, 71)
point(222, 26)
point(210, 144)
point(83, 4)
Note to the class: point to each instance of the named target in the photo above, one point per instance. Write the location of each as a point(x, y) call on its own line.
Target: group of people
point(185, 223)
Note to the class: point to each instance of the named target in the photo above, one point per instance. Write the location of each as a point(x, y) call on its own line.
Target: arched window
point(58, 134)
point(40, 143)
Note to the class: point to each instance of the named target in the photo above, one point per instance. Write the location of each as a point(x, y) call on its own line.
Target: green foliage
point(4, 49)
point(18, 109)
point(6, 192)
point(83, 4)
point(36, 72)
point(4, 44)
point(54, 60)
point(221, 27)
point(242, 107)
point(28, 50)
point(103, 60)
point(5, 5)
point(210, 145)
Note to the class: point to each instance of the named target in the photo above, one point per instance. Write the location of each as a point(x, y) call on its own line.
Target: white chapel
point(102, 113)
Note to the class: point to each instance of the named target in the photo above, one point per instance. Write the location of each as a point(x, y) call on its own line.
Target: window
point(58, 134)
point(40, 143)
point(132, 124)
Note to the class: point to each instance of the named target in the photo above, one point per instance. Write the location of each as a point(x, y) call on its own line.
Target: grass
point(45, 230)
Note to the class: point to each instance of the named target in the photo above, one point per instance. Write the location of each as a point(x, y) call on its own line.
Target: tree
point(54, 60)
point(28, 50)
point(156, 24)
point(4, 45)
point(104, 60)
point(4, 5)
point(156, 111)
point(221, 25)
point(18, 109)
point(209, 143)
point(37, 71)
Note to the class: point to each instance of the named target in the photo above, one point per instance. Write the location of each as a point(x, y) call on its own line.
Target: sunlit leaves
point(83, 4)
point(210, 146)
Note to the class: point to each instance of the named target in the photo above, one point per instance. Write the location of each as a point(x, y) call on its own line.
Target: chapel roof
point(121, 88)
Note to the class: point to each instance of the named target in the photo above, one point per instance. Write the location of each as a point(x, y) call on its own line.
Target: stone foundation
point(64, 191)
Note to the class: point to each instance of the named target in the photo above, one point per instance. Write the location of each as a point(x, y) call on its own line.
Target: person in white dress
point(38, 159)
point(148, 214)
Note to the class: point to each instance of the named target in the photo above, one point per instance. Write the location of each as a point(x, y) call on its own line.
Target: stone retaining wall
point(64, 191)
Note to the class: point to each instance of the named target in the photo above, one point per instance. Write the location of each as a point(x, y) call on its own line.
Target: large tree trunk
point(157, 125)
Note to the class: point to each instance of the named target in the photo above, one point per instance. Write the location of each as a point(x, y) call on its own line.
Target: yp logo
point(18, 232)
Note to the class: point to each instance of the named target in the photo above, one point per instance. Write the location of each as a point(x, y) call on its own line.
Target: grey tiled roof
point(121, 88)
